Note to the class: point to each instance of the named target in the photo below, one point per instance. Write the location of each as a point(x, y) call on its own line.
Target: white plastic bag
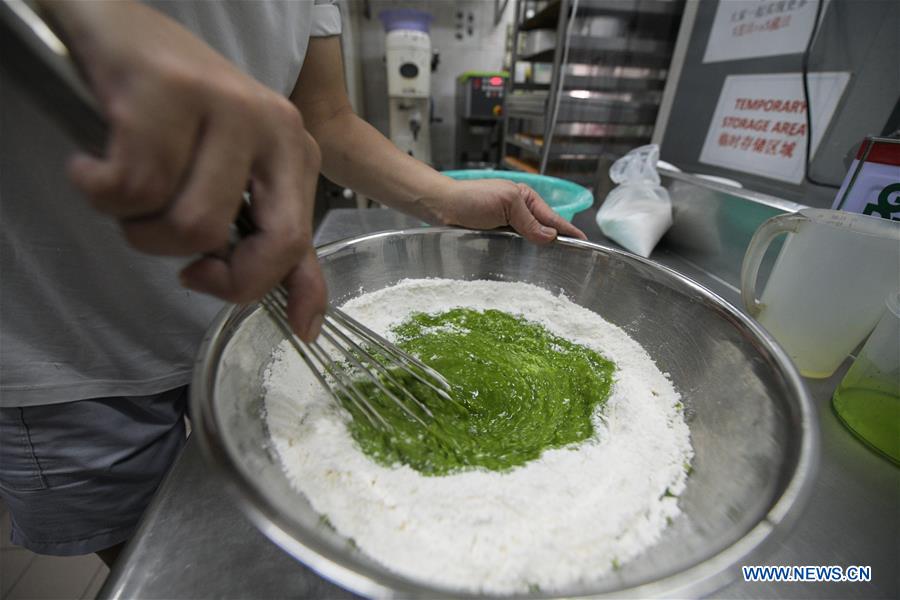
point(638, 211)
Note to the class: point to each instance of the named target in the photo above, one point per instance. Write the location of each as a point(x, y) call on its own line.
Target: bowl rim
point(702, 578)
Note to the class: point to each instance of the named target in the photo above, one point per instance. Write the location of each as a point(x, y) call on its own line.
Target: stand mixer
point(408, 58)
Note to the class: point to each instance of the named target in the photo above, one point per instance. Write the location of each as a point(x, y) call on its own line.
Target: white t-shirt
point(82, 314)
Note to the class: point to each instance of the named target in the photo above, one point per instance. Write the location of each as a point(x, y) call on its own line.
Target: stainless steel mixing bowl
point(751, 419)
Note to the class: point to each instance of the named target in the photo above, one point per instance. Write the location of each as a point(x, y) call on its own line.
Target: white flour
point(568, 517)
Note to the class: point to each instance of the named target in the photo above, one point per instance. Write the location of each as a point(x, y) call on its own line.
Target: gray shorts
point(77, 476)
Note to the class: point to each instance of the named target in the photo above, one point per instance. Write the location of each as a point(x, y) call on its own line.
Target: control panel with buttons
point(480, 95)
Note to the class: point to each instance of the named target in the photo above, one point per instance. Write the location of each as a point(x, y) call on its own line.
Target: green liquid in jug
point(870, 408)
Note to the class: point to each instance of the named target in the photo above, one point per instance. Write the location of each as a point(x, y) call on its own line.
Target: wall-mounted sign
point(755, 28)
point(759, 125)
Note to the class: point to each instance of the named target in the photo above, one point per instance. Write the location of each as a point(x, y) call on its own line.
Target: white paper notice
point(760, 122)
point(754, 28)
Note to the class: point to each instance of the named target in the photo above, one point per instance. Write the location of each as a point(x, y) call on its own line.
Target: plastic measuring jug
point(828, 285)
point(868, 399)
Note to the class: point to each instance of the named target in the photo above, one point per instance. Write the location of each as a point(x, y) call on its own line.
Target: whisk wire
point(374, 361)
point(317, 361)
point(353, 360)
point(348, 386)
point(404, 359)
point(432, 379)
point(366, 357)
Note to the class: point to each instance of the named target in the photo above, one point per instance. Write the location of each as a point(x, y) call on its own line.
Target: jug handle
point(767, 232)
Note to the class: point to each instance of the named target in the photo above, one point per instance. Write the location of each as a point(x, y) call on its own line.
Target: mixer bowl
point(751, 420)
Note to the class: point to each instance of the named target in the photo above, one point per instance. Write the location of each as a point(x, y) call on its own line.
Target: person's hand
point(492, 203)
point(188, 132)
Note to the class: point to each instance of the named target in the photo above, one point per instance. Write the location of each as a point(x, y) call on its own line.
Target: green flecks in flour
point(519, 389)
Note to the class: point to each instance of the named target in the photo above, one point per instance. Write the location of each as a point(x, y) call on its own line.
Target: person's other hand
point(492, 203)
point(188, 132)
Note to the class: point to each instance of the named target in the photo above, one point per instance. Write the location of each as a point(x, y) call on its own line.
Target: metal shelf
point(601, 84)
point(643, 9)
point(537, 99)
point(624, 51)
point(515, 164)
point(586, 177)
point(616, 63)
point(575, 148)
point(573, 110)
point(535, 128)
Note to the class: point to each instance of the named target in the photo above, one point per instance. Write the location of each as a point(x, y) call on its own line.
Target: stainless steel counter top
point(194, 543)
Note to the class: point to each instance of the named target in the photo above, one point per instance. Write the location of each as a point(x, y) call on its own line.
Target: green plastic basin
point(565, 197)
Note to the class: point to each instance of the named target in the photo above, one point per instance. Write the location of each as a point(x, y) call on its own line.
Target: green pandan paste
point(523, 390)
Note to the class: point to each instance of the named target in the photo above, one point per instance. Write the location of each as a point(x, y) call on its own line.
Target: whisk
point(367, 357)
point(370, 357)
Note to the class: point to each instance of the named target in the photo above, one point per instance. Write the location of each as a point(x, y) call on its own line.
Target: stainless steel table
point(193, 542)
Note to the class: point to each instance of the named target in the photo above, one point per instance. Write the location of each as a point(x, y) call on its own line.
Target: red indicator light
point(496, 81)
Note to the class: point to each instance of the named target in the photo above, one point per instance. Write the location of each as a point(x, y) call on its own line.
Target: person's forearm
point(358, 156)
